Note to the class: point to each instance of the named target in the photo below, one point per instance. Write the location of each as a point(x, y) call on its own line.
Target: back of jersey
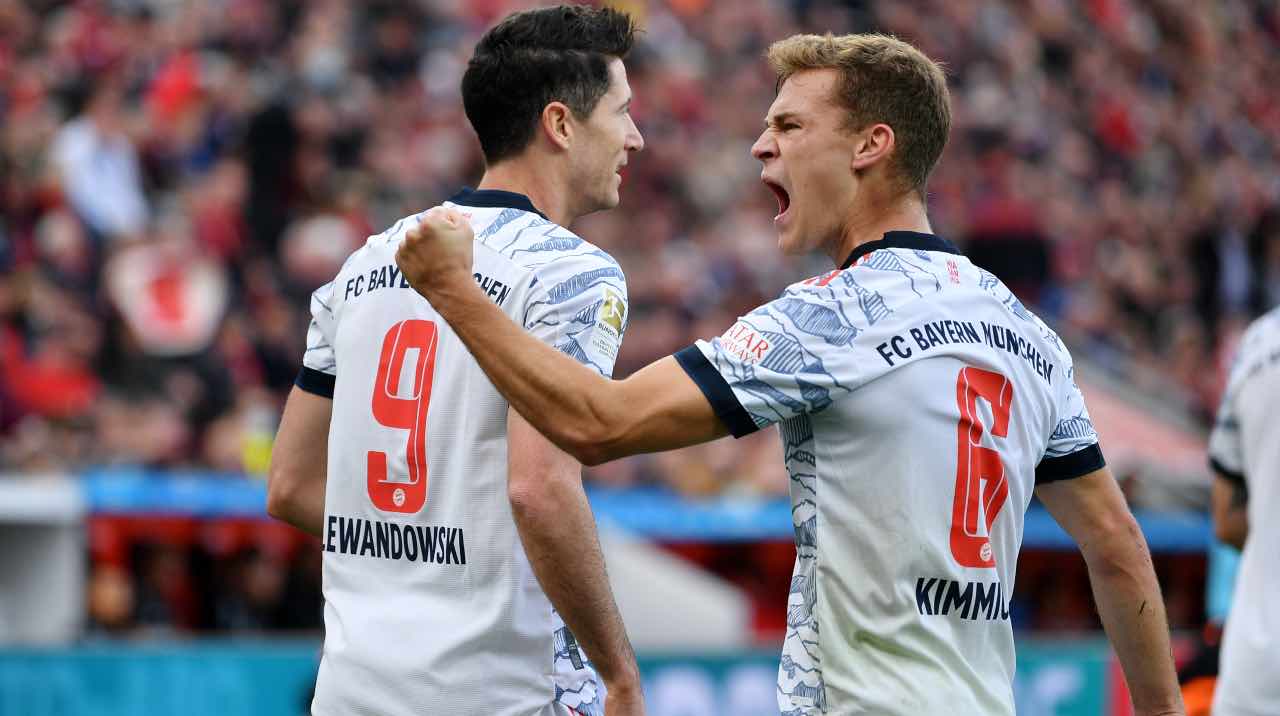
point(919, 404)
point(430, 604)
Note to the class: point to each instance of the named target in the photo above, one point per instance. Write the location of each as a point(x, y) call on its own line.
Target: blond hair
point(882, 80)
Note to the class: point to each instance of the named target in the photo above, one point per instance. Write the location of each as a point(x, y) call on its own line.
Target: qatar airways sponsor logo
point(745, 343)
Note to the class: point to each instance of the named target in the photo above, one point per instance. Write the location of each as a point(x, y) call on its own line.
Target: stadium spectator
point(1144, 134)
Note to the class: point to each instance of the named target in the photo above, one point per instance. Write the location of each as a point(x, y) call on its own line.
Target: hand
point(624, 700)
point(436, 250)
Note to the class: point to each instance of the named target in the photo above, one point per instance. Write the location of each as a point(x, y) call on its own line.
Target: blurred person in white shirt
point(1244, 453)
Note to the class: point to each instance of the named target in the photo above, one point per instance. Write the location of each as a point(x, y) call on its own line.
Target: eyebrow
point(779, 118)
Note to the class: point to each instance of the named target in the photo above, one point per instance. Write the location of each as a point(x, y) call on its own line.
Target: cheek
point(825, 185)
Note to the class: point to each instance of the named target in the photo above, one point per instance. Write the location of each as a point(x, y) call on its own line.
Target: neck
point(522, 177)
point(873, 219)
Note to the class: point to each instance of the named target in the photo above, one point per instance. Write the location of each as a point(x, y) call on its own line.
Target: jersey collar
point(495, 199)
point(902, 240)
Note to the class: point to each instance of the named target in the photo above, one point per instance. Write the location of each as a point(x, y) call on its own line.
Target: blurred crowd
point(157, 577)
point(176, 177)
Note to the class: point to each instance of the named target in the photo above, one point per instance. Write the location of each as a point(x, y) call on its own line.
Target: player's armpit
point(1228, 500)
point(299, 462)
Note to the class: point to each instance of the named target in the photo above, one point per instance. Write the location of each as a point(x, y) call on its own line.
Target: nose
point(635, 142)
point(765, 147)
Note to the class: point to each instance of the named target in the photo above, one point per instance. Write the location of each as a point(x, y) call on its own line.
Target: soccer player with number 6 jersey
point(462, 573)
point(919, 403)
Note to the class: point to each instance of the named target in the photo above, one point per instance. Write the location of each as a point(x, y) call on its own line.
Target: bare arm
point(299, 462)
point(1230, 515)
point(559, 536)
point(592, 418)
point(1093, 511)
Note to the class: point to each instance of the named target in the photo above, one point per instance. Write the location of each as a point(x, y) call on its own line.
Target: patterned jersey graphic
point(798, 360)
point(421, 429)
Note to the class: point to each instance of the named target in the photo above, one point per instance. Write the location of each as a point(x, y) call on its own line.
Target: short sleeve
point(794, 355)
point(319, 366)
point(1072, 450)
point(1226, 452)
point(578, 305)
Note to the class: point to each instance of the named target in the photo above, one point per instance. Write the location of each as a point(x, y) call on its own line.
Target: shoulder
point(393, 234)
point(542, 246)
point(1263, 333)
point(997, 290)
point(887, 283)
point(565, 265)
point(1258, 347)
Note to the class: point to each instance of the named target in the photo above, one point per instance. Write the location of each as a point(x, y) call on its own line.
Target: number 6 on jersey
point(407, 413)
point(981, 487)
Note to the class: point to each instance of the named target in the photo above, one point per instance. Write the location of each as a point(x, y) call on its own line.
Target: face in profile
point(807, 154)
point(605, 139)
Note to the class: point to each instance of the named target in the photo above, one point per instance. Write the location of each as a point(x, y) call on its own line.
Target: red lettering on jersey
point(981, 487)
point(744, 343)
point(407, 413)
point(953, 270)
point(822, 280)
point(829, 277)
point(760, 347)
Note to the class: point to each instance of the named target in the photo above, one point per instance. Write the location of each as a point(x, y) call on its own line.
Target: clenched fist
point(436, 250)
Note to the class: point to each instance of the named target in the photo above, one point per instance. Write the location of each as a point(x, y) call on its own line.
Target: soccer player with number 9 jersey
point(919, 403)
point(462, 574)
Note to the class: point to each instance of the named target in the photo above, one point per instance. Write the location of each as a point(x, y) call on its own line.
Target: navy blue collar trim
point(902, 240)
point(495, 199)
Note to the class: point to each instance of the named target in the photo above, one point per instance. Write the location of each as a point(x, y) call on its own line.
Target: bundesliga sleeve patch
point(609, 323)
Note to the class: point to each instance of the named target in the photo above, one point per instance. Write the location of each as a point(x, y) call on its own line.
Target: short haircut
point(882, 80)
point(533, 58)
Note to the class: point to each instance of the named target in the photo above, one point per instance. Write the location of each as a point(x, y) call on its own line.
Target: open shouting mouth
point(784, 199)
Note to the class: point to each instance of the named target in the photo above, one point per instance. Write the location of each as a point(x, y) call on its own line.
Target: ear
point(557, 125)
point(872, 146)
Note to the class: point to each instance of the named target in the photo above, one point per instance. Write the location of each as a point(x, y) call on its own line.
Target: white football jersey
point(431, 606)
point(1245, 447)
point(919, 405)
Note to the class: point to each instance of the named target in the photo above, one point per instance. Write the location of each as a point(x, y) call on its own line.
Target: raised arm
point(592, 418)
point(1093, 511)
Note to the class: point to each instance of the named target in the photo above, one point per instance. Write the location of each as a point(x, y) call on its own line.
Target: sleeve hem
point(316, 382)
point(1068, 467)
point(1231, 475)
point(717, 391)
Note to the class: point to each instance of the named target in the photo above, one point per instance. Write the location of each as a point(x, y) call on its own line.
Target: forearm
point(594, 419)
point(1132, 610)
point(559, 537)
point(569, 403)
